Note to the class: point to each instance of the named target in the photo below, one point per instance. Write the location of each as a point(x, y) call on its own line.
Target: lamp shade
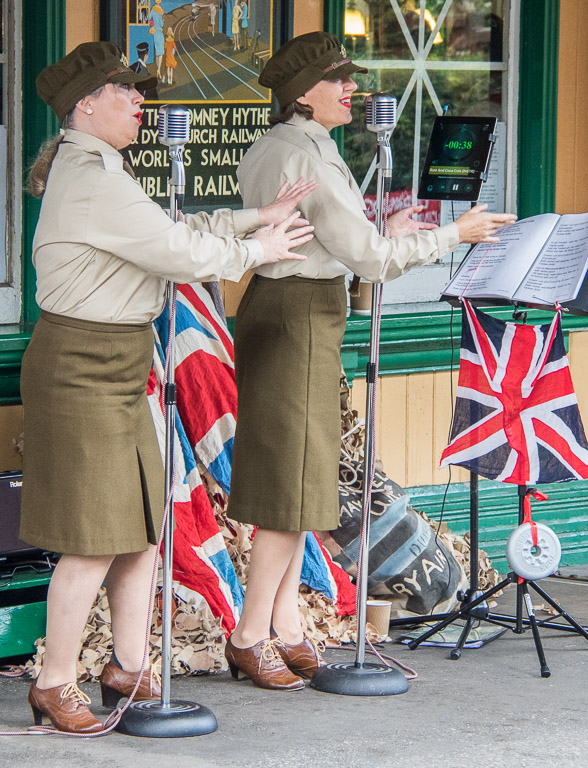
point(354, 23)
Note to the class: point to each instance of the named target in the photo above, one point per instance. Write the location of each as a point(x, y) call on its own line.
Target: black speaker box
point(11, 547)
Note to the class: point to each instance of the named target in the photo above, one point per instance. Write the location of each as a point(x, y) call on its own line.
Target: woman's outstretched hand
point(286, 201)
point(479, 226)
point(401, 223)
point(277, 241)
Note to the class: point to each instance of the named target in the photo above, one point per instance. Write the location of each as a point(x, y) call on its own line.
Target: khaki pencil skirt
point(288, 335)
point(93, 474)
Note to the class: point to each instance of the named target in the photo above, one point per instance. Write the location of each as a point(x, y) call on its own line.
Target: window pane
point(469, 92)
point(463, 70)
point(469, 30)
point(432, 55)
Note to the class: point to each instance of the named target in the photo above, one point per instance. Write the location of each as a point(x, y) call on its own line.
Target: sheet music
point(494, 270)
point(560, 269)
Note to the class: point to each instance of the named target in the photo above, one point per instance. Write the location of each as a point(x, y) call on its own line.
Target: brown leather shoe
point(115, 684)
point(66, 706)
point(263, 665)
point(303, 658)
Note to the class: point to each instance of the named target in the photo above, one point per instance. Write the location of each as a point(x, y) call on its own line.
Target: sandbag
point(408, 564)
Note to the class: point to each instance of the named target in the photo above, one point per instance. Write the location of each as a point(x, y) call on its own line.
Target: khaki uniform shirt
point(103, 250)
point(344, 239)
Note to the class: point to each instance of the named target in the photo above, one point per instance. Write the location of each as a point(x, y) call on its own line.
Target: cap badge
point(123, 60)
point(342, 51)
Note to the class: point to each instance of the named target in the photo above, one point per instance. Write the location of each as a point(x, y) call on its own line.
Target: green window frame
point(421, 341)
point(43, 42)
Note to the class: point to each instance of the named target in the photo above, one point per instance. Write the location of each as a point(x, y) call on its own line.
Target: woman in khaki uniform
point(93, 475)
point(288, 333)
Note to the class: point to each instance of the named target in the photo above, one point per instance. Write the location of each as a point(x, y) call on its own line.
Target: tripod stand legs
point(570, 619)
point(465, 612)
point(524, 589)
point(456, 651)
point(470, 611)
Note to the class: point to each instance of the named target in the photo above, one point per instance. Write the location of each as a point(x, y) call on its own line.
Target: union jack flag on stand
point(204, 431)
point(516, 414)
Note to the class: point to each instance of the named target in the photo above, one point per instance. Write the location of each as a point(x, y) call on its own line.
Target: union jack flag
point(516, 414)
point(204, 431)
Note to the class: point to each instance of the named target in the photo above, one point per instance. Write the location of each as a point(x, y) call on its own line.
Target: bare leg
point(286, 616)
point(72, 591)
point(271, 555)
point(128, 585)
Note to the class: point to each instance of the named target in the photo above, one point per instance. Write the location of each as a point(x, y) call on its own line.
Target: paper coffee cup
point(378, 615)
point(362, 304)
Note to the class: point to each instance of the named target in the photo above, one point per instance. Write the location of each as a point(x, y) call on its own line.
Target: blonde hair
point(39, 170)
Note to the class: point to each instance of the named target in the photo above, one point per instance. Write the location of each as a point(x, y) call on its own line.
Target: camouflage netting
point(198, 637)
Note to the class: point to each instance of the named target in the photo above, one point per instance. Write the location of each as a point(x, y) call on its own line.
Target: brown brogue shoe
point(302, 658)
point(66, 706)
point(263, 665)
point(115, 684)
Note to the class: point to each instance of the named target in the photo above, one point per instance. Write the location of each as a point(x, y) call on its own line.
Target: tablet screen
point(457, 158)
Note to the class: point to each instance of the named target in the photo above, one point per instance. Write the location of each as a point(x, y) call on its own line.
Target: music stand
point(448, 144)
point(456, 165)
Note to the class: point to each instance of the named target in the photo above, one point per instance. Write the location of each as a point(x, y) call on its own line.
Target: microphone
point(173, 130)
point(380, 113)
point(173, 125)
point(380, 118)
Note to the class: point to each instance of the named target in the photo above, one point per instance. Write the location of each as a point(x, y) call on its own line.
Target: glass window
point(10, 160)
point(434, 56)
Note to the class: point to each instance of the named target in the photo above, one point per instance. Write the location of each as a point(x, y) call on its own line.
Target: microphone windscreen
point(380, 112)
point(173, 125)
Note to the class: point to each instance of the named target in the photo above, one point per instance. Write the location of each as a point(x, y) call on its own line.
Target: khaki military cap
point(303, 62)
point(86, 68)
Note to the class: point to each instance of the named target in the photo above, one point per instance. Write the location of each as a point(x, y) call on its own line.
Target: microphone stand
point(166, 718)
point(361, 678)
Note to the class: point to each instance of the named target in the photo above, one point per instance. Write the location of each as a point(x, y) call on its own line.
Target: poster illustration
point(206, 55)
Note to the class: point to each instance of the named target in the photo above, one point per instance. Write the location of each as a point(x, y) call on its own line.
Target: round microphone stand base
point(177, 719)
point(351, 679)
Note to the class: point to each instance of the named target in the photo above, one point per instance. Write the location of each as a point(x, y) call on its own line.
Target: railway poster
point(206, 55)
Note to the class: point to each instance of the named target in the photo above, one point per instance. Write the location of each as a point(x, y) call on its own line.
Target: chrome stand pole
point(361, 678)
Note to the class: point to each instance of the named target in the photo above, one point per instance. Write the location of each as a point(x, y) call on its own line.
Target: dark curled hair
point(294, 108)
